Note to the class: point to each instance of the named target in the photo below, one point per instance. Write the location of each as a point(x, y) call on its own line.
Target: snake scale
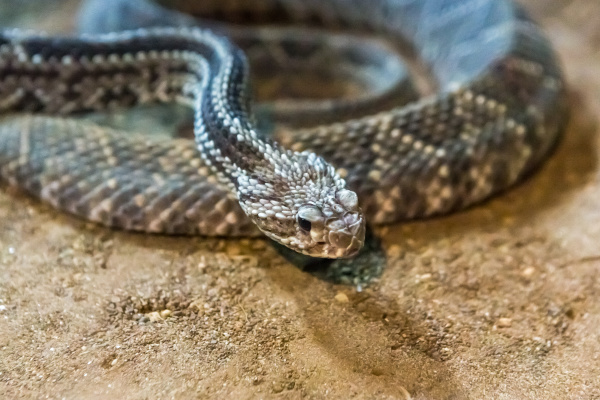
point(498, 109)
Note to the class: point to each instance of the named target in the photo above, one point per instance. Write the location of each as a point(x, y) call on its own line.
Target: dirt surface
point(499, 302)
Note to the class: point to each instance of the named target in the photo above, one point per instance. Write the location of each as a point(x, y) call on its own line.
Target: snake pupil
point(304, 224)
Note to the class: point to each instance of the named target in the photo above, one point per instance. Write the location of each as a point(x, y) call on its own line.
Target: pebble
point(341, 297)
point(504, 322)
point(154, 316)
point(258, 244)
point(528, 272)
point(395, 251)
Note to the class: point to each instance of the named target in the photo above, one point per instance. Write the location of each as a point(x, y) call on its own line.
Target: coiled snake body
point(498, 110)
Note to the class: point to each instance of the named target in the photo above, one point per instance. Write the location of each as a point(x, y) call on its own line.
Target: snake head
point(305, 206)
point(332, 229)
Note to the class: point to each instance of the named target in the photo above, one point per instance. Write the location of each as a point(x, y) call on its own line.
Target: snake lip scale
point(499, 110)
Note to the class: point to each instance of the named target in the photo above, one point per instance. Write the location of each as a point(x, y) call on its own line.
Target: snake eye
point(309, 217)
point(304, 224)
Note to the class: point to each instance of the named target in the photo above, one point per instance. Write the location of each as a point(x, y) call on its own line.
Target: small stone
point(165, 313)
point(258, 244)
point(277, 387)
point(528, 272)
point(202, 264)
point(395, 251)
point(504, 322)
point(256, 380)
point(154, 316)
point(197, 306)
point(341, 297)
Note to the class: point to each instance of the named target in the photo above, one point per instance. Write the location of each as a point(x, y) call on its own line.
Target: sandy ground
point(499, 302)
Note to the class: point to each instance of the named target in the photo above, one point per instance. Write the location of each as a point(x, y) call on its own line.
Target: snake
point(496, 111)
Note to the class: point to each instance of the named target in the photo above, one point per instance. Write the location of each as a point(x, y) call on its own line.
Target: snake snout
point(347, 234)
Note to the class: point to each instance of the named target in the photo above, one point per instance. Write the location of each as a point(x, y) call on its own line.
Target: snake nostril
point(356, 228)
point(354, 225)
